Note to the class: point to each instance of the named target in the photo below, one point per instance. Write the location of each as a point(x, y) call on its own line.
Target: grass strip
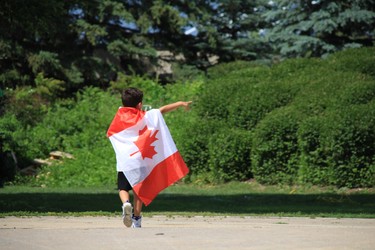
point(231, 199)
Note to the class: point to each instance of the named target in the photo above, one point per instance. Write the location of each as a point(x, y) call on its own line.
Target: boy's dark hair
point(131, 97)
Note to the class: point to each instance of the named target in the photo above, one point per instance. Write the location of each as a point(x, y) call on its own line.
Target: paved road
point(160, 232)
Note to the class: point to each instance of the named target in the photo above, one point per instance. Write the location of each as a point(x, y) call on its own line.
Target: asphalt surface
point(160, 232)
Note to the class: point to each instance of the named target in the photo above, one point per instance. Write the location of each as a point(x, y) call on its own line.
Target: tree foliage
point(320, 27)
point(86, 43)
point(227, 29)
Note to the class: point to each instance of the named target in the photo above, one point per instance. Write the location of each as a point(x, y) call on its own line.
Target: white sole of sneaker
point(127, 218)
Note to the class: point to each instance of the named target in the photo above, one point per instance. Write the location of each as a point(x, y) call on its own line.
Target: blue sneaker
point(137, 221)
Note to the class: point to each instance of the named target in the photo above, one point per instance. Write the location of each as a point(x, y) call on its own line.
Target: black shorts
point(122, 182)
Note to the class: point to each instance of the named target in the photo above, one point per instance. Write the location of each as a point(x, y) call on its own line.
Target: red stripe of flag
point(125, 118)
point(163, 175)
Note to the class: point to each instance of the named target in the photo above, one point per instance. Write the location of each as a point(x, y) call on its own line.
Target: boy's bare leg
point(137, 203)
point(126, 208)
point(137, 209)
point(124, 196)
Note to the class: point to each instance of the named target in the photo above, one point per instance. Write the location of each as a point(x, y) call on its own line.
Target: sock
point(136, 217)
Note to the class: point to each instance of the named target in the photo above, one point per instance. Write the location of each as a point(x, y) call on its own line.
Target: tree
point(228, 29)
point(238, 24)
point(28, 35)
point(84, 42)
point(320, 27)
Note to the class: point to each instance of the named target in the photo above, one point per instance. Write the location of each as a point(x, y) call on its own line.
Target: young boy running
point(132, 100)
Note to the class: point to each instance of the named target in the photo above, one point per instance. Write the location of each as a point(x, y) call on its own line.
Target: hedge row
point(308, 120)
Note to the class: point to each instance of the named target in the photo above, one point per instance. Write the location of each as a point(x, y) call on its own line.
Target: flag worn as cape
point(145, 151)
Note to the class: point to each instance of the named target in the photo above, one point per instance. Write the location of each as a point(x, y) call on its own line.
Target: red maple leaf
point(144, 142)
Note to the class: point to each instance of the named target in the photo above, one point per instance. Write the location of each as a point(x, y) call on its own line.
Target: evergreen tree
point(319, 27)
point(238, 23)
point(228, 29)
point(29, 39)
point(84, 42)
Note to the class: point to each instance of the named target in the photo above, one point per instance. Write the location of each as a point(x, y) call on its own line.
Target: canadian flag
point(145, 151)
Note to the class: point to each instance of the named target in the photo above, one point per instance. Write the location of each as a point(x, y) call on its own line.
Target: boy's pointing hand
point(186, 105)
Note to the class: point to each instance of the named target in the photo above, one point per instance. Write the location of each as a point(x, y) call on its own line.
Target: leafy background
point(283, 91)
point(303, 121)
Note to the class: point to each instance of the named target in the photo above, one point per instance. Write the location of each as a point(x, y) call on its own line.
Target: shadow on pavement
point(240, 204)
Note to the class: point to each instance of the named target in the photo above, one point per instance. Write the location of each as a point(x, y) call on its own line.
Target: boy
point(132, 100)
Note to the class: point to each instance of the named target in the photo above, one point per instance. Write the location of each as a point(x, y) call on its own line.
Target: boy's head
point(131, 97)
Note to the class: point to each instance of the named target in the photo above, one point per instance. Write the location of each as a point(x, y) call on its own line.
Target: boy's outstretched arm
point(173, 106)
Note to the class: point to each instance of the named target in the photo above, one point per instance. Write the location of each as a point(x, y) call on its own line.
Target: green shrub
point(274, 102)
point(223, 69)
point(213, 99)
point(315, 165)
point(153, 93)
point(89, 168)
point(68, 126)
point(14, 139)
point(354, 60)
point(227, 89)
point(355, 118)
point(353, 154)
point(275, 154)
point(26, 104)
point(243, 97)
point(75, 124)
point(250, 105)
point(194, 148)
point(331, 139)
point(30, 104)
point(229, 155)
point(8, 125)
point(339, 147)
